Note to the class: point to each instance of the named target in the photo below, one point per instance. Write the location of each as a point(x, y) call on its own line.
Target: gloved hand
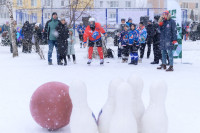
point(174, 42)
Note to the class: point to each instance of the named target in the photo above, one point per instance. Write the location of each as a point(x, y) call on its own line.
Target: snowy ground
point(21, 76)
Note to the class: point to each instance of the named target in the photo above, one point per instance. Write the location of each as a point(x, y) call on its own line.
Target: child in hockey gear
point(142, 39)
point(133, 44)
point(71, 43)
point(93, 32)
point(81, 30)
point(125, 44)
point(62, 43)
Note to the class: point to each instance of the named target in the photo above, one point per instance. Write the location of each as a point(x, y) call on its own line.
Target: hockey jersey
point(95, 35)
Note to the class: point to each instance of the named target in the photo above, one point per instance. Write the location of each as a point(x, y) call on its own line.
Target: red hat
point(166, 12)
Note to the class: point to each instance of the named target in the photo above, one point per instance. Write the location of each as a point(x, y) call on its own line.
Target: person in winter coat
point(93, 32)
point(142, 39)
point(62, 41)
point(168, 38)
point(81, 30)
point(26, 31)
point(71, 43)
point(156, 41)
point(37, 32)
point(50, 35)
point(133, 44)
point(129, 22)
point(124, 39)
point(149, 37)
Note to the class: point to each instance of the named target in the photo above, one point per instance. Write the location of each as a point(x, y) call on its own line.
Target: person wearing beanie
point(142, 39)
point(124, 39)
point(168, 37)
point(150, 34)
point(62, 41)
point(130, 21)
point(50, 36)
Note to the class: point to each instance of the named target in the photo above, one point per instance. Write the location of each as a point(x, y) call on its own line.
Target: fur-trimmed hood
point(161, 20)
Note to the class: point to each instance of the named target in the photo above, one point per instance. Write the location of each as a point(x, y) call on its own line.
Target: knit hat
point(166, 12)
point(129, 18)
point(62, 18)
point(54, 13)
point(142, 23)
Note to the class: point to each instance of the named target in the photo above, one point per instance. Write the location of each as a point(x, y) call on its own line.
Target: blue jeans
point(164, 57)
point(51, 44)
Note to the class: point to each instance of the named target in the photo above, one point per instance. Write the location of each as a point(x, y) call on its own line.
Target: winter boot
point(170, 69)
point(60, 63)
point(154, 62)
point(89, 62)
point(101, 62)
point(50, 63)
point(162, 67)
point(80, 45)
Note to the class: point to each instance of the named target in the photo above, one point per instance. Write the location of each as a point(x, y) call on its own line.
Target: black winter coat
point(38, 33)
point(168, 34)
point(150, 31)
point(63, 35)
point(27, 31)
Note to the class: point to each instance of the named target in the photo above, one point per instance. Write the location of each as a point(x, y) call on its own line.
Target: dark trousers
point(142, 49)
point(73, 56)
point(149, 42)
point(62, 57)
point(27, 46)
point(125, 52)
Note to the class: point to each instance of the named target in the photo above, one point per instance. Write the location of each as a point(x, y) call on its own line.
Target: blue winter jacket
point(142, 34)
point(168, 34)
point(81, 27)
point(134, 37)
point(124, 38)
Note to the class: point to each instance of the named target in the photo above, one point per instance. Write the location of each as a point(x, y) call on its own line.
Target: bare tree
point(76, 9)
point(9, 6)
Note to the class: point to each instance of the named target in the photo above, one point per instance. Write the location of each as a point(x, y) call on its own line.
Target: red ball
point(51, 105)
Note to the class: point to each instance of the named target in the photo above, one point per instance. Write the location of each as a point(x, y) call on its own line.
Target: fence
point(108, 17)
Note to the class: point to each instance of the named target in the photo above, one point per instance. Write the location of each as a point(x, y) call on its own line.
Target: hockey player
point(93, 32)
point(124, 39)
point(133, 44)
point(80, 30)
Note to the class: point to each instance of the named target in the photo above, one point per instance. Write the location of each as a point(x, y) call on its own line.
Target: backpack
point(110, 53)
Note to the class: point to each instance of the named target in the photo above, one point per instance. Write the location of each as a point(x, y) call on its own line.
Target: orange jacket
point(95, 35)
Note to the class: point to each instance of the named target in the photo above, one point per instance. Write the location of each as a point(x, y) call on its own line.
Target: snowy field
point(21, 76)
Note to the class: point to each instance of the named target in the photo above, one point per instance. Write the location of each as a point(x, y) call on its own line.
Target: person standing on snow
point(150, 33)
point(81, 30)
point(129, 22)
point(71, 43)
point(51, 35)
point(124, 39)
point(26, 31)
point(133, 44)
point(168, 38)
point(142, 39)
point(93, 32)
point(62, 42)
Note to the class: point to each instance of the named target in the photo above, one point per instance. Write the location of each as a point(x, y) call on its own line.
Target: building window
point(101, 3)
point(114, 3)
point(197, 5)
point(128, 3)
point(62, 3)
point(112, 15)
point(47, 2)
point(33, 2)
point(184, 5)
point(19, 2)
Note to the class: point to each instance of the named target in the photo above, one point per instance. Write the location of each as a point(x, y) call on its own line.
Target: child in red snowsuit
point(93, 32)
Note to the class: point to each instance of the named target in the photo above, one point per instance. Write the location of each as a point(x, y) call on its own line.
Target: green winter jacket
point(50, 29)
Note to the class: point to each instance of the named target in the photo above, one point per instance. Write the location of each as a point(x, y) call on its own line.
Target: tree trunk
point(12, 28)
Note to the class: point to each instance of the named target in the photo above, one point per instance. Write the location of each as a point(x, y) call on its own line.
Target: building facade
point(4, 15)
point(191, 6)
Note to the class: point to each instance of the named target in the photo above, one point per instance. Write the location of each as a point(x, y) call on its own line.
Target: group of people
point(162, 33)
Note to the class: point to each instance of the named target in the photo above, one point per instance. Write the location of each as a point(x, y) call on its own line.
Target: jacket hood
point(71, 30)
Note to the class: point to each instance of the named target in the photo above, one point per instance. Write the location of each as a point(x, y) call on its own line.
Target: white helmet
point(37, 24)
point(92, 20)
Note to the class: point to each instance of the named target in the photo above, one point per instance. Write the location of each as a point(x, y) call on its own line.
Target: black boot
point(162, 67)
point(154, 62)
point(170, 69)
